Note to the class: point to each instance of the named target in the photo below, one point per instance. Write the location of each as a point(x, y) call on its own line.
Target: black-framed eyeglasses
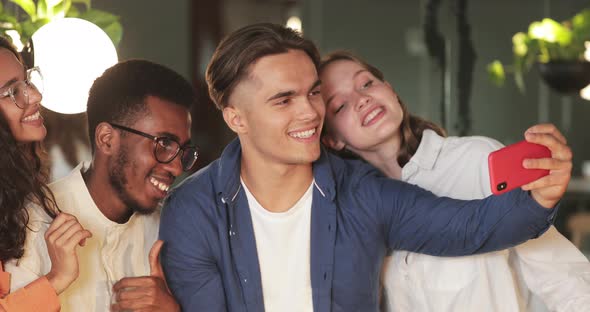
point(19, 92)
point(166, 148)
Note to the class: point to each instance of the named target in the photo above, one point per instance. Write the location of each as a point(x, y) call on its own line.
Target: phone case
point(506, 170)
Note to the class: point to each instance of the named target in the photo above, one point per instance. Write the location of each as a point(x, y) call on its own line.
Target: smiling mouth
point(372, 115)
point(32, 117)
point(159, 184)
point(303, 134)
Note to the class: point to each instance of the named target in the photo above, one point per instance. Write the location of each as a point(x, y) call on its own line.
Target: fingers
point(547, 181)
point(547, 129)
point(77, 238)
point(136, 292)
point(558, 149)
point(154, 259)
point(135, 282)
point(58, 222)
point(61, 230)
point(547, 164)
point(130, 305)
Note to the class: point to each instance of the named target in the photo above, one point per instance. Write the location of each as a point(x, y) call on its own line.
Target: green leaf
point(519, 80)
point(115, 32)
point(1, 7)
point(7, 19)
point(581, 20)
point(100, 18)
point(520, 41)
point(53, 3)
point(29, 27)
point(73, 12)
point(85, 2)
point(62, 9)
point(108, 22)
point(42, 10)
point(496, 73)
point(28, 6)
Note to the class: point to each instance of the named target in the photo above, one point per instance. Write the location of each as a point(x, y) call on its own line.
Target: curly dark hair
point(23, 180)
point(411, 126)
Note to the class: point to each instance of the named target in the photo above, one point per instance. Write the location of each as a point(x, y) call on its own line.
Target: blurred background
point(435, 53)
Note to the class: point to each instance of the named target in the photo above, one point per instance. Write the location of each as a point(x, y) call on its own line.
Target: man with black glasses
point(139, 127)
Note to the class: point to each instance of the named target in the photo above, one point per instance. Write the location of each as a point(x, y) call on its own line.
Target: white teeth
point(35, 116)
point(372, 115)
point(303, 134)
point(160, 185)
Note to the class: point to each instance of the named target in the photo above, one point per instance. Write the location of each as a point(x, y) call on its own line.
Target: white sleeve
point(35, 261)
point(555, 271)
point(550, 267)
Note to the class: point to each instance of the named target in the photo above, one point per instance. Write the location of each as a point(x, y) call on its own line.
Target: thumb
point(154, 259)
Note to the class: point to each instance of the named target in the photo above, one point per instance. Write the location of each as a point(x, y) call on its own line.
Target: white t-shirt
point(114, 251)
point(548, 269)
point(283, 245)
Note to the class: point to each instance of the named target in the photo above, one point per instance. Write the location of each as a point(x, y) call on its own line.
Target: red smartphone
point(506, 170)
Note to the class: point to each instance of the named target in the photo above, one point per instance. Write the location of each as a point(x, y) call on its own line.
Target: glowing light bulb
point(294, 22)
point(71, 54)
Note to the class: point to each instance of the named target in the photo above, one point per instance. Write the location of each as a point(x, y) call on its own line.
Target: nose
point(362, 101)
point(175, 166)
point(310, 109)
point(33, 95)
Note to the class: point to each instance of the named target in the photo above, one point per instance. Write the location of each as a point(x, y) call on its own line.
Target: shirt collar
point(228, 173)
point(428, 150)
point(76, 182)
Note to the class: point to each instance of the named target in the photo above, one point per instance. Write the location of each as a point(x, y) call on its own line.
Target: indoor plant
point(41, 12)
point(558, 48)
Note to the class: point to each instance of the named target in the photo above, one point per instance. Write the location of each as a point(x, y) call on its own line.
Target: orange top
point(37, 296)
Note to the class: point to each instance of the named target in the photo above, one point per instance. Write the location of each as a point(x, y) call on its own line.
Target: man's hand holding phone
point(548, 190)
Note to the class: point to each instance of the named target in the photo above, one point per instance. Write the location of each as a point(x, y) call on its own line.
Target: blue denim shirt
point(210, 259)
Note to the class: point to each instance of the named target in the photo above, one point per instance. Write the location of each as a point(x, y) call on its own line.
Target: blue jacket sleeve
point(187, 258)
point(418, 221)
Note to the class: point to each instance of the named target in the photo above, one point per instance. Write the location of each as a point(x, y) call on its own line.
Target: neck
point(384, 157)
point(104, 195)
point(277, 187)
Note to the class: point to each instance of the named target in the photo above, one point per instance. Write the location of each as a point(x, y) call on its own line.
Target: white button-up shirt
point(545, 274)
point(114, 251)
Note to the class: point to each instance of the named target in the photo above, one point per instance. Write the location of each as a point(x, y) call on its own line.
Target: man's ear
point(106, 138)
point(234, 119)
point(332, 143)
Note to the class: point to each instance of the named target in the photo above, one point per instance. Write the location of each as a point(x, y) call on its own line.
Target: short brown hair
point(411, 127)
point(240, 49)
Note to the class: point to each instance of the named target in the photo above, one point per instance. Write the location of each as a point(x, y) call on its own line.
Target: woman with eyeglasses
point(365, 118)
point(23, 178)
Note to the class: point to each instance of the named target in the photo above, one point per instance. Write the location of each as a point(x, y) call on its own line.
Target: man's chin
point(144, 211)
point(147, 210)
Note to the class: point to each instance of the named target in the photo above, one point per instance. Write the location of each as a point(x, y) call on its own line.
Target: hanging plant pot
point(566, 76)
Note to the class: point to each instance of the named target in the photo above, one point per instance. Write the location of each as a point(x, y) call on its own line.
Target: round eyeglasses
point(166, 148)
point(20, 91)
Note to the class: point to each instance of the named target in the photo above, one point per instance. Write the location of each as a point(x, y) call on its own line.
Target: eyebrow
point(315, 85)
point(172, 136)
point(353, 77)
point(9, 82)
point(292, 92)
point(280, 95)
point(359, 72)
